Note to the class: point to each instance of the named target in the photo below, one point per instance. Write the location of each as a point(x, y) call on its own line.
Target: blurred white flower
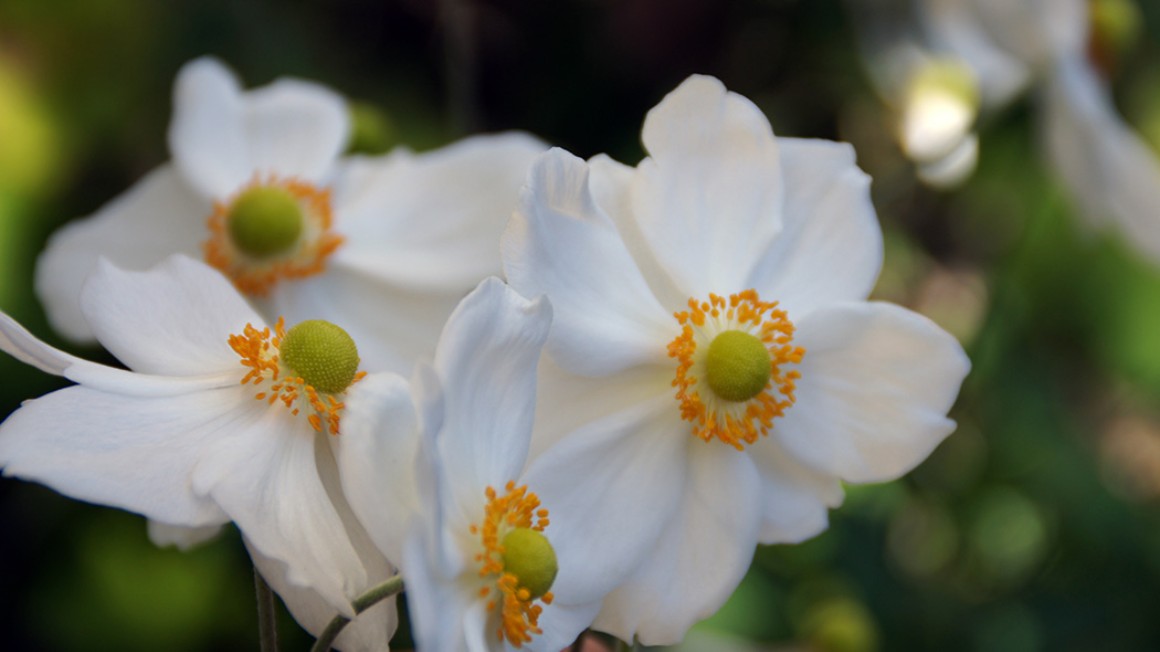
point(384, 245)
point(714, 371)
point(479, 554)
point(1062, 50)
point(222, 418)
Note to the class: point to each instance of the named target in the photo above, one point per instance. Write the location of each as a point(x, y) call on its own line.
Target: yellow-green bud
point(529, 556)
point(265, 221)
point(322, 354)
point(737, 366)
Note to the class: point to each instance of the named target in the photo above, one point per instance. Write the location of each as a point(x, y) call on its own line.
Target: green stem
point(363, 602)
point(267, 616)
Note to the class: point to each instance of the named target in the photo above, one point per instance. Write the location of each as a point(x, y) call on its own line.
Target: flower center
point(529, 556)
point(264, 221)
point(737, 366)
point(322, 354)
point(304, 369)
point(272, 229)
point(516, 560)
point(731, 378)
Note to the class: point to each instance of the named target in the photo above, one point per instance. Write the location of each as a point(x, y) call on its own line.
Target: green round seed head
point(737, 366)
point(265, 221)
point(322, 354)
point(528, 555)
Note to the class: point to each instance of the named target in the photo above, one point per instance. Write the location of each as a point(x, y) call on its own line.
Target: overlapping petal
point(876, 383)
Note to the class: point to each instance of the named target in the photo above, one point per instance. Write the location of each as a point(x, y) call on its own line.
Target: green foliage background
point(1034, 527)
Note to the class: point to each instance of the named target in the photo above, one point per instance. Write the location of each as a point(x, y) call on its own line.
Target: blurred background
point(1035, 526)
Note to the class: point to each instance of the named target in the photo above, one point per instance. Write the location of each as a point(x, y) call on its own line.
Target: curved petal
point(876, 383)
point(1036, 31)
point(436, 607)
point(1112, 174)
point(830, 247)
point(370, 631)
point(221, 137)
point(207, 135)
point(433, 221)
point(139, 454)
point(709, 198)
point(953, 25)
point(376, 458)
point(266, 477)
point(796, 499)
point(486, 360)
point(561, 624)
point(620, 474)
point(560, 244)
point(701, 555)
point(175, 319)
point(159, 216)
point(183, 538)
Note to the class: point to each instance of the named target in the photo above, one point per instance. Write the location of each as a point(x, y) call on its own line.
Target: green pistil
point(737, 366)
point(528, 555)
point(322, 354)
point(265, 221)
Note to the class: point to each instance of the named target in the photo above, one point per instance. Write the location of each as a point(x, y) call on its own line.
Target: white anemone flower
point(714, 370)
point(480, 551)
point(257, 188)
point(1058, 50)
point(220, 418)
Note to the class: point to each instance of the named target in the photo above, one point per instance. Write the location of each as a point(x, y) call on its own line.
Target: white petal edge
point(560, 244)
point(796, 499)
point(709, 197)
point(164, 535)
point(876, 384)
point(158, 216)
point(207, 137)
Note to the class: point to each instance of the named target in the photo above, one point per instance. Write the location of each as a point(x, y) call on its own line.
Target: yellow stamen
point(735, 422)
point(257, 274)
point(259, 351)
point(519, 614)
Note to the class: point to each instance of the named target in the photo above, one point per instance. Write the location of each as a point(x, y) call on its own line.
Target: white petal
point(221, 137)
point(184, 539)
point(954, 26)
point(1113, 175)
point(436, 607)
point(561, 624)
point(877, 382)
point(266, 477)
point(486, 361)
point(207, 136)
point(159, 216)
point(138, 454)
point(709, 197)
point(175, 319)
point(433, 221)
point(370, 631)
point(830, 248)
point(559, 243)
point(700, 557)
point(376, 458)
point(1036, 31)
point(796, 499)
point(612, 485)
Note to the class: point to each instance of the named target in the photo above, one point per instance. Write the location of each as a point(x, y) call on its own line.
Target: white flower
point(221, 418)
point(698, 415)
point(1055, 49)
point(257, 188)
point(477, 553)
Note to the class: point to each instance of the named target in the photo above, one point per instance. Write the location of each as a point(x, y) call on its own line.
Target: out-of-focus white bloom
point(480, 552)
point(222, 418)
point(1059, 49)
point(714, 370)
point(385, 245)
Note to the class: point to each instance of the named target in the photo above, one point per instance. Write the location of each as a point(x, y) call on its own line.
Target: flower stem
point(267, 616)
point(373, 596)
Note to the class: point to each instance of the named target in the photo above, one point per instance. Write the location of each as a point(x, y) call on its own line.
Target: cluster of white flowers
point(679, 364)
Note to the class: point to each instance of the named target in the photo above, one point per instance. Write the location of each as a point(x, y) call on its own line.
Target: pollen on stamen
point(734, 422)
point(259, 351)
point(519, 610)
point(257, 275)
